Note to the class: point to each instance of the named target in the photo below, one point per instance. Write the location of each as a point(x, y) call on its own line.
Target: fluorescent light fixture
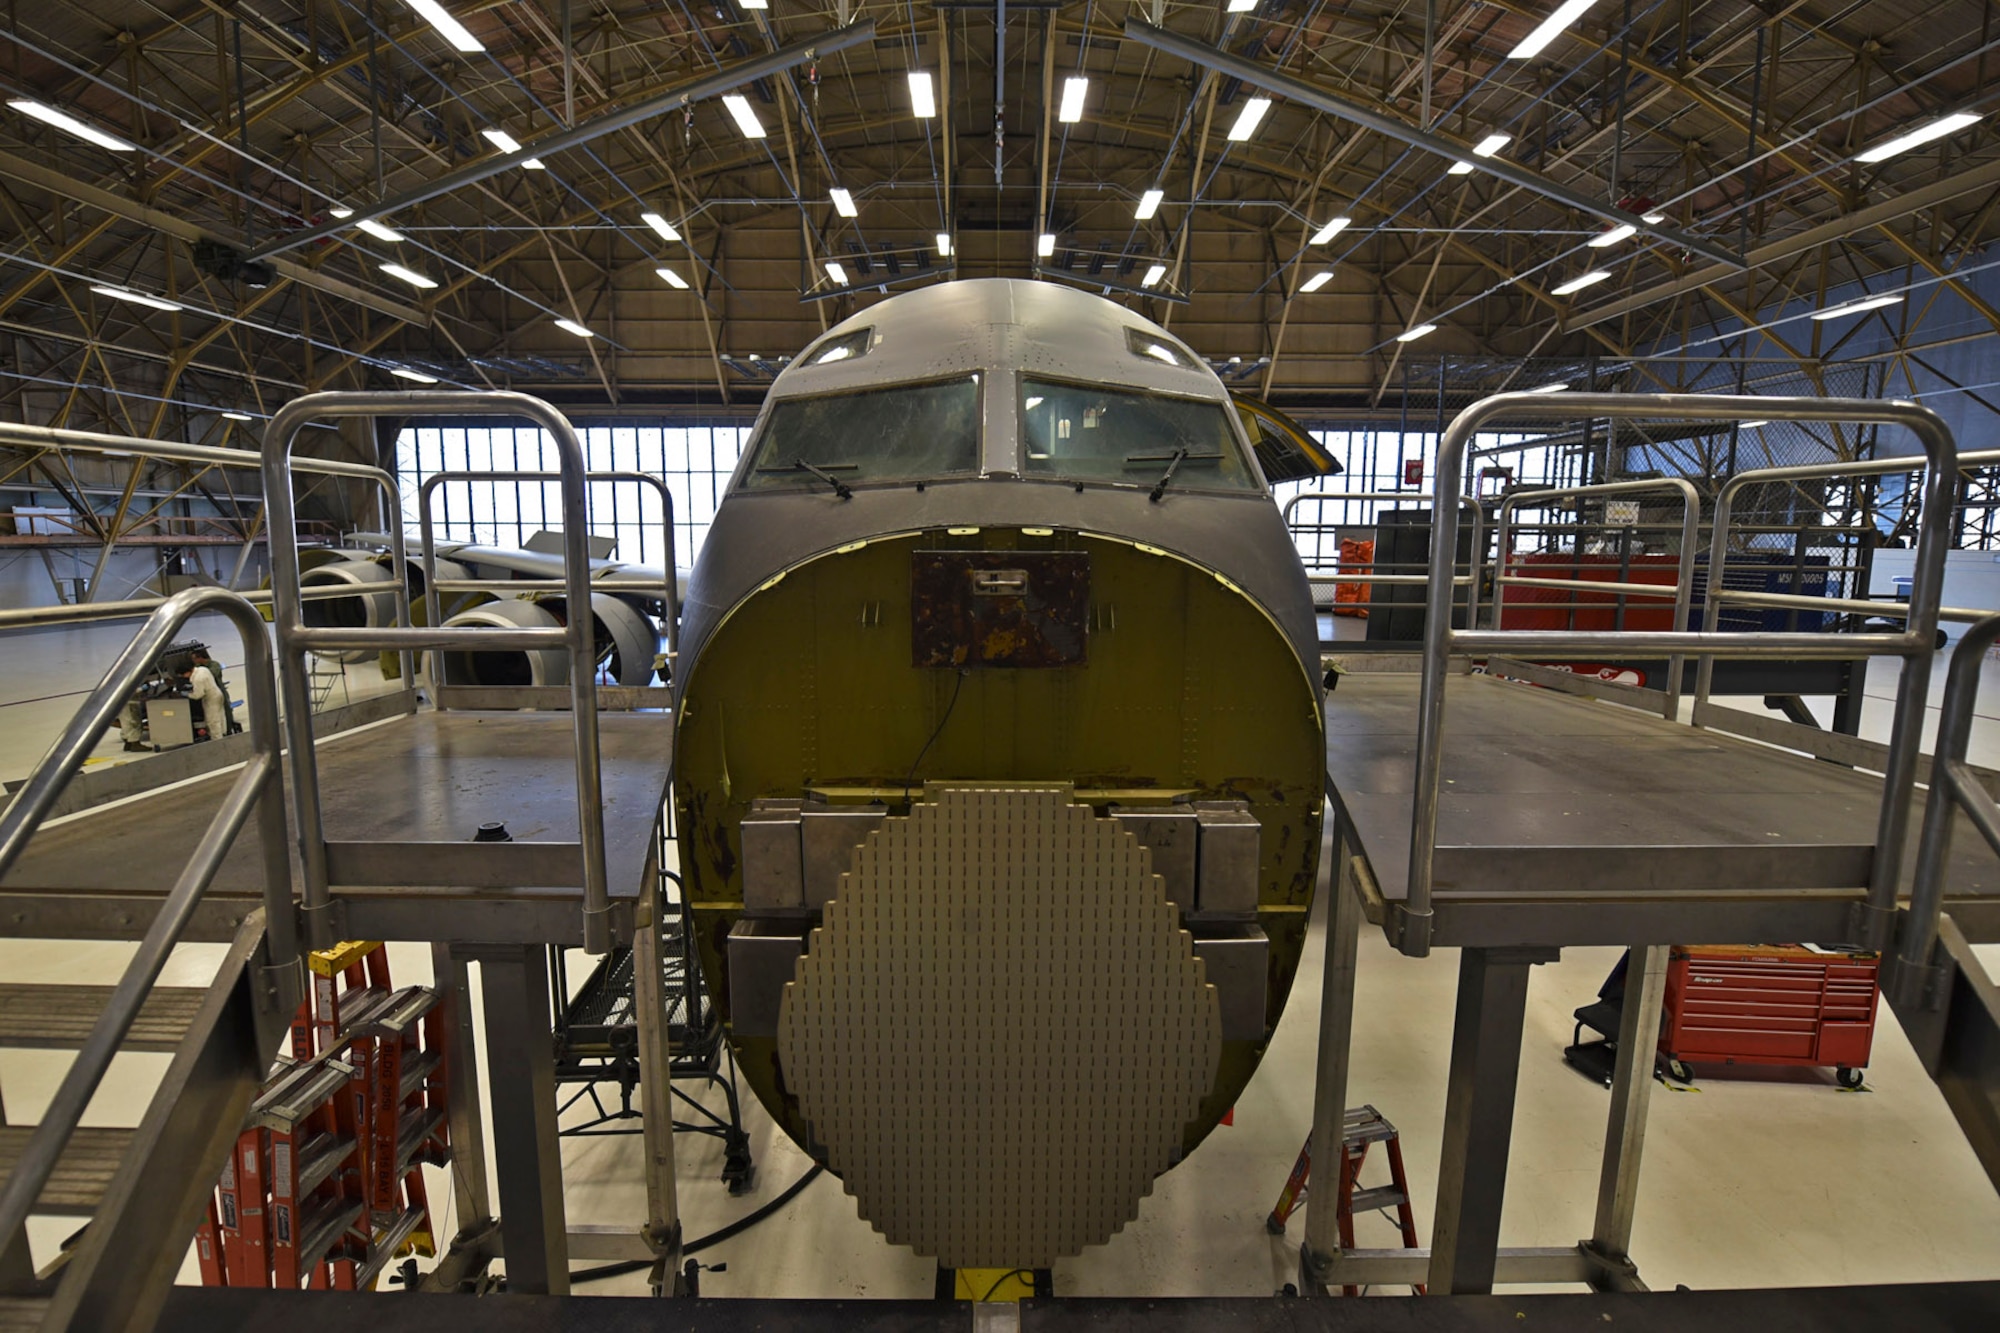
point(1552, 27)
point(1612, 237)
point(1750, 425)
point(1249, 118)
point(1583, 280)
point(378, 231)
point(1491, 144)
point(70, 125)
point(136, 298)
point(409, 275)
point(843, 203)
point(1153, 275)
point(837, 272)
point(1332, 229)
point(667, 230)
point(672, 279)
point(238, 416)
point(449, 28)
point(1903, 143)
point(340, 213)
point(415, 376)
point(572, 327)
point(923, 97)
point(1459, 168)
point(1316, 281)
point(1045, 245)
point(1411, 335)
point(944, 244)
point(1653, 219)
point(507, 143)
point(1149, 204)
point(1856, 307)
point(746, 119)
point(1557, 387)
point(1242, 6)
point(755, 4)
point(1071, 110)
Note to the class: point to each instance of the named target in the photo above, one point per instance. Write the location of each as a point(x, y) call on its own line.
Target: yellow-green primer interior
point(1189, 688)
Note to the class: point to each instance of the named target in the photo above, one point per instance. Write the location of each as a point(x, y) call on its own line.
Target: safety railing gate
point(129, 1254)
point(1914, 644)
point(1945, 1000)
point(473, 864)
point(1379, 572)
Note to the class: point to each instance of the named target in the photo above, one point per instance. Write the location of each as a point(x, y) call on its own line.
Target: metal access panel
point(170, 722)
point(1169, 834)
point(771, 859)
point(763, 958)
point(999, 608)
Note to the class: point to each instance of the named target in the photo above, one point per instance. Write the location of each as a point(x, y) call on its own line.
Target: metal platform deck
point(1928, 1308)
point(1566, 821)
point(423, 778)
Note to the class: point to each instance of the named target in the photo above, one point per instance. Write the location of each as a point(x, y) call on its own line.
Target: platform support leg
point(1625, 1132)
point(471, 1248)
point(656, 1095)
point(1479, 1116)
point(1336, 1026)
point(520, 1057)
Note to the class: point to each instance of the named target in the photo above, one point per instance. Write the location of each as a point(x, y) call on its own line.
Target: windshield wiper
point(823, 472)
point(1173, 462)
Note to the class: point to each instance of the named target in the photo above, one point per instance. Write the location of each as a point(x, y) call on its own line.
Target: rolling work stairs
point(138, 1191)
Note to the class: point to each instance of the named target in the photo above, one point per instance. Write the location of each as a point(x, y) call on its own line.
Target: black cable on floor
point(700, 1243)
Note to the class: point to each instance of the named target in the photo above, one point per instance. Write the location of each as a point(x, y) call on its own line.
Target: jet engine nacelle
point(618, 627)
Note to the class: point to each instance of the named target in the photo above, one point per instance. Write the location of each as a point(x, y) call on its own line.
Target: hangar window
point(1089, 433)
point(909, 432)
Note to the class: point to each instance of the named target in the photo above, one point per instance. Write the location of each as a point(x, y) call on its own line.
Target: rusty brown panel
point(999, 608)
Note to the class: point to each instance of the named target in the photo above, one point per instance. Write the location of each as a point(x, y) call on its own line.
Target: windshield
point(1094, 434)
point(906, 433)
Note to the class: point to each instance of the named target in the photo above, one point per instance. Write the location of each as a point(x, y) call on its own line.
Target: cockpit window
point(1088, 433)
point(1157, 348)
point(844, 348)
point(906, 433)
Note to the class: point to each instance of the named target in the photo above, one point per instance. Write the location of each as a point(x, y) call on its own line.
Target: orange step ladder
point(1362, 1126)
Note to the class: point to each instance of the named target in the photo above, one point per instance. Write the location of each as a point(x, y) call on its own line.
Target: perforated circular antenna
point(999, 1032)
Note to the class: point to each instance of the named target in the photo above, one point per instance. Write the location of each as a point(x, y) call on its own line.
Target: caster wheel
point(1679, 1072)
point(1848, 1078)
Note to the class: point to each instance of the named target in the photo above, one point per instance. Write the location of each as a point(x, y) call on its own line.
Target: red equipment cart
point(1769, 1005)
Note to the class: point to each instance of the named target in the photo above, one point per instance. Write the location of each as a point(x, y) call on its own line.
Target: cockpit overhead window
point(1156, 347)
point(908, 432)
point(846, 347)
point(1089, 433)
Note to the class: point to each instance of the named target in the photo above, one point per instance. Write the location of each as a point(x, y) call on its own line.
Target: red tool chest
point(1769, 1005)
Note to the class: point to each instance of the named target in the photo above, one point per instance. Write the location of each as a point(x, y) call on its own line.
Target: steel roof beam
point(1876, 215)
point(1333, 104)
point(731, 76)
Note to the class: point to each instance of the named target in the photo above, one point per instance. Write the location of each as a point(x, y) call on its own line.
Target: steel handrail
point(138, 608)
point(1914, 644)
point(1683, 590)
point(1954, 786)
point(1469, 579)
point(670, 583)
point(257, 791)
point(296, 639)
point(1725, 502)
